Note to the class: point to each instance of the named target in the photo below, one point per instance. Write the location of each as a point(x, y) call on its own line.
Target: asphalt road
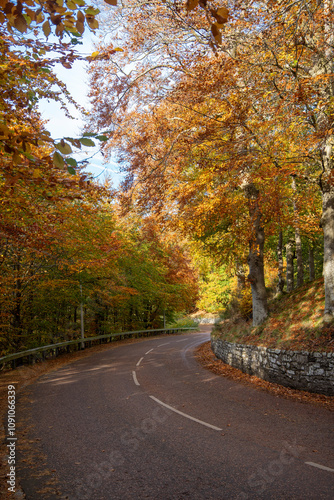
point(146, 421)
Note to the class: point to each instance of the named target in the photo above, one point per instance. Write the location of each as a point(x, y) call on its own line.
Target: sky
point(76, 80)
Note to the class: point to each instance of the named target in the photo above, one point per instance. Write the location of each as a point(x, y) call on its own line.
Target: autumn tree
point(259, 70)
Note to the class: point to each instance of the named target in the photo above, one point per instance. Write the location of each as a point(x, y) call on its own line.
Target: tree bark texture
point(327, 223)
point(290, 283)
point(299, 258)
point(281, 282)
point(326, 180)
point(241, 276)
point(255, 258)
point(298, 240)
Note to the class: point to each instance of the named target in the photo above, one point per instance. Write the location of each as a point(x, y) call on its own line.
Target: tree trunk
point(290, 284)
point(311, 263)
point(281, 282)
point(327, 222)
point(255, 258)
point(241, 276)
point(326, 180)
point(299, 254)
point(299, 258)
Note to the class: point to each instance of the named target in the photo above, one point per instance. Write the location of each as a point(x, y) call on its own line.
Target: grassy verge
point(295, 322)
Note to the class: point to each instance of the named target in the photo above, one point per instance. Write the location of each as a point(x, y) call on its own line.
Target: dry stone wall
point(308, 371)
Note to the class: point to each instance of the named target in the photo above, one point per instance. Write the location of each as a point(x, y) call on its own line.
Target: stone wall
point(308, 371)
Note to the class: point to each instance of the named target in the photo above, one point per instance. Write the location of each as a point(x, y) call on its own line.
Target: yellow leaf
point(223, 12)
point(46, 29)
point(111, 2)
point(4, 130)
point(221, 15)
point(20, 23)
point(216, 33)
point(40, 18)
point(80, 27)
point(80, 17)
point(192, 4)
point(92, 23)
point(36, 173)
point(95, 54)
point(59, 29)
point(71, 5)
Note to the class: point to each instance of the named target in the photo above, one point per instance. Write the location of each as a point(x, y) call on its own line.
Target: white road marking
point(323, 467)
point(163, 344)
point(149, 351)
point(185, 415)
point(135, 378)
point(183, 340)
point(141, 359)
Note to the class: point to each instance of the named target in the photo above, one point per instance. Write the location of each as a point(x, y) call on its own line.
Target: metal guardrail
point(55, 349)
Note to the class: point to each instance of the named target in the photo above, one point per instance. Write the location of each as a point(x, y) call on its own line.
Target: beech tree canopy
point(63, 242)
point(214, 111)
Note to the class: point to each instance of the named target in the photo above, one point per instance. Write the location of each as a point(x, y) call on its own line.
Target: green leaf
point(102, 138)
point(27, 155)
point(87, 142)
point(71, 170)
point(64, 148)
point(72, 162)
point(89, 134)
point(92, 12)
point(71, 5)
point(73, 32)
point(58, 160)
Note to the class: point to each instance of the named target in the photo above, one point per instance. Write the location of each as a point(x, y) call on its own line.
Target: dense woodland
point(222, 119)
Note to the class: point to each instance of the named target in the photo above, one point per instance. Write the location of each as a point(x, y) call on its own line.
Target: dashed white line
point(163, 344)
point(185, 415)
point(141, 359)
point(149, 351)
point(135, 378)
point(183, 340)
point(318, 466)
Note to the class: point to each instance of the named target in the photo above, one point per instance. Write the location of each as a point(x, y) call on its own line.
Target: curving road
point(146, 421)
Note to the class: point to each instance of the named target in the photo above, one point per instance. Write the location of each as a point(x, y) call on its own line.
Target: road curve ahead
point(146, 421)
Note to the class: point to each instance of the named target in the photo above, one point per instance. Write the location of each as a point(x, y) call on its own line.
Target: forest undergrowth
point(295, 322)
